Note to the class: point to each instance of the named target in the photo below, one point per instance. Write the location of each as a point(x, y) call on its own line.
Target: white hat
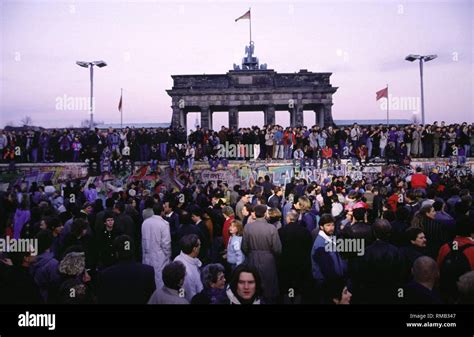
point(336, 209)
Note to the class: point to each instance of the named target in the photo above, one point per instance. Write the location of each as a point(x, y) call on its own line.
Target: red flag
point(120, 104)
point(245, 16)
point(382, 93)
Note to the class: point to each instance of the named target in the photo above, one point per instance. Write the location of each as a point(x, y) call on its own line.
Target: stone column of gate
point(206, 117)
point(177, 117)
point(234, 117)
point(299, 115)
point(320, 113)
point(269, 113)
point(292, 116)
point(328, 121)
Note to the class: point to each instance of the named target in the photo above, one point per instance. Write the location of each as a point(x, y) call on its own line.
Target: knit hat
point(72, 264)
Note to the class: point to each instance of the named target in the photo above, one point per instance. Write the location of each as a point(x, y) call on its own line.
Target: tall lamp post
point(422, 58)
point(91, 65)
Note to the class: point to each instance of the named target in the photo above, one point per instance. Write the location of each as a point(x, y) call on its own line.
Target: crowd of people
point(337, 241)
point(327, 144)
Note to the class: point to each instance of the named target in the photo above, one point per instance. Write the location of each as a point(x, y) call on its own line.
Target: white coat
point(192, 281)
point(156, 245)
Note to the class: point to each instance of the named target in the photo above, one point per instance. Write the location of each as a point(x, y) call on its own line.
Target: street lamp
point(422, 58)
point(91, 65)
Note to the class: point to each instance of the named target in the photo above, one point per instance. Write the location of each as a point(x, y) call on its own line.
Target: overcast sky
point(363, 43)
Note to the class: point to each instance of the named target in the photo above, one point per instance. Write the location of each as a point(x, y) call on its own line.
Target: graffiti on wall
point(245, 175)
point(445, 166)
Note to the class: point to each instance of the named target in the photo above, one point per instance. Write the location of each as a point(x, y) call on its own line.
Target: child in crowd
point(235, 256)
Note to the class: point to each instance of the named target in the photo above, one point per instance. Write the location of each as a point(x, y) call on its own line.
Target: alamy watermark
point(233, 151)
point(401, 103)
point(9, 245)
point(37, 320)
point(74, 103)
point(345, 246)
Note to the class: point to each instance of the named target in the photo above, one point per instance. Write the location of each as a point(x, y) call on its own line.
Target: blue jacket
point(279, 137)
point(235, 255)
point(310, 220)
point(326, 264)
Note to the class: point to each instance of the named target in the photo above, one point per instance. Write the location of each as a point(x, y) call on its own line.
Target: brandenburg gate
point(251, 87)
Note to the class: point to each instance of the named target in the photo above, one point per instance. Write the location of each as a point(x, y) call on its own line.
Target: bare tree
point(26, 121)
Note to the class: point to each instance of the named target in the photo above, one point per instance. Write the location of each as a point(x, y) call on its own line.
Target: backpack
point(454, 265)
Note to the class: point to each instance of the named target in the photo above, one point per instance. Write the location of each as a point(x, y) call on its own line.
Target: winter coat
point(192, 281)
point(45, 272)
point(156, 245)
point(261, 244)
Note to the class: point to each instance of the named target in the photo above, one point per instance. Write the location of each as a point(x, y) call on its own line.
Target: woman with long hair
point(245, 286)
point(436, 233)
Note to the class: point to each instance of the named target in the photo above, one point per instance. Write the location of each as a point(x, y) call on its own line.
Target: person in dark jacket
point(360, 229)
point(173, 219)
point(203, 233)
point(378, 273)
point(289, 187)
point(399, 226)
point(126, 282)
point(105, 240)
point(44, 267)
point(124, 222)
point(336, 292)
point(416, 247)
point(17, 285)
point(274, 201)
point(421, 289)
point(295, 260)
point(267, 187)
point(437, 234)
point(187, 226)
point(99, 219)
point(78, 237)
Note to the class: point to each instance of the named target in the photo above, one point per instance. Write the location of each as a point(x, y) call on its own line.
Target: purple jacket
point(392, 136)
point(45, 272)
point(20, 219)
point(91, 194)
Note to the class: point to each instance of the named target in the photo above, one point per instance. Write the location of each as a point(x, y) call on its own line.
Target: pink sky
point(145, 42)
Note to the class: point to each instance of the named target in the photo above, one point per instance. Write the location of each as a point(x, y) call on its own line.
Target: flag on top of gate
point(245, 16)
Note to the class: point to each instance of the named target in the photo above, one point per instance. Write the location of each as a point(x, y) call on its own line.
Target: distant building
point(368, 122)
point(132, 125)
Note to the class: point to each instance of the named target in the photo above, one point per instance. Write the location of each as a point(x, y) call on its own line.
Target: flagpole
point(250, 23)
point(121, 108)
point(387, 107)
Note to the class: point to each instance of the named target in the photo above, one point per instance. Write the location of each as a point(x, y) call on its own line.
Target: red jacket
point(362, 152)
point(462, 240)
point(327, 153)
point(418, 180)
point(393, 201)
